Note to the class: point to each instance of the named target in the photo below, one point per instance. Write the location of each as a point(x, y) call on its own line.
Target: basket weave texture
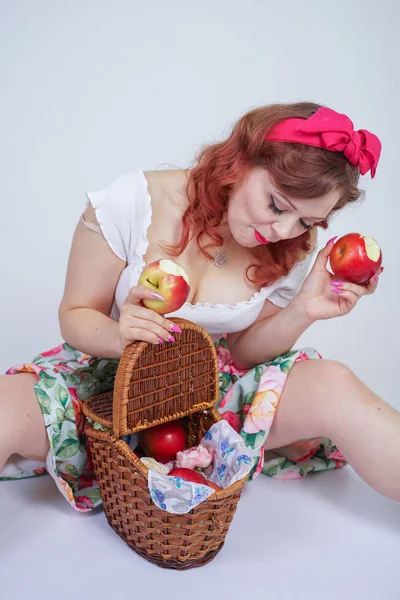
point(153, 385)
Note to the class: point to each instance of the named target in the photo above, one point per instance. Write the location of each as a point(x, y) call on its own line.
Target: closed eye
point(279, 211)
point(274, 207)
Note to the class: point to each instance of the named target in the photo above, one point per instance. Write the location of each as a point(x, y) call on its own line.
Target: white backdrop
point(90, 89)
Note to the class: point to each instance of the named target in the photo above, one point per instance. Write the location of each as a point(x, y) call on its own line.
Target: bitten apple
point(355, 258)
point(168, 279)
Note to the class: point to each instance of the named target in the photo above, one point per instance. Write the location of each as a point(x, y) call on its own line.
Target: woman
point(243, 223)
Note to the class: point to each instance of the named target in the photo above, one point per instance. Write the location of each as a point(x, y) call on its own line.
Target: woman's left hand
point(324, 296)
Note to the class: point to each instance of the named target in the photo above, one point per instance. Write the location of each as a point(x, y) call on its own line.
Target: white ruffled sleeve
point(122, 209)
point(288, 287)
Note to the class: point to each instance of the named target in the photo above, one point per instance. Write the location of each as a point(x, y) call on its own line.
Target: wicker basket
point(153, 385)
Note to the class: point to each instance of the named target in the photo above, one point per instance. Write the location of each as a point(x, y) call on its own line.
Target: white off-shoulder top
point(123, 210)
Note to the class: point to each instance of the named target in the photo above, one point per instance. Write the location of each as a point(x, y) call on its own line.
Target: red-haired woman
point(243, 224)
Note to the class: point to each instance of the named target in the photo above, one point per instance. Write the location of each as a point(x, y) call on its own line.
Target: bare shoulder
point(167, 189)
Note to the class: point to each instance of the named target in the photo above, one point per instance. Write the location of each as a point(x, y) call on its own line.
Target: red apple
point(355, 258)
point(189, 475)
point(194, 476)
point(213, 485)
point(168, 279)
point(162, 442)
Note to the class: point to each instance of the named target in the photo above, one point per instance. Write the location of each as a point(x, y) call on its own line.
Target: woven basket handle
point(121, 385)
point(184, 375)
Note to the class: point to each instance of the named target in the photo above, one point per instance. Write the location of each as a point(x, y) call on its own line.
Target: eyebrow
point(294, 208)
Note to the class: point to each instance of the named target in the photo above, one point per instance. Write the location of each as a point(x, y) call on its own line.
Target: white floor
point(326, 537)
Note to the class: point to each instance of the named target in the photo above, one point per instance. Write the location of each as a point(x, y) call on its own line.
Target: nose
point(283, 229)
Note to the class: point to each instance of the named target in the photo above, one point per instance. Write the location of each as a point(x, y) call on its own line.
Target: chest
point(209, 283)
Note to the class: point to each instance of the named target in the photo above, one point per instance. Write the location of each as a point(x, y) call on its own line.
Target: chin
point(240, 239)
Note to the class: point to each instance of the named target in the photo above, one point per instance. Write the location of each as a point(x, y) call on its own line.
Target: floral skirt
point(248, 400)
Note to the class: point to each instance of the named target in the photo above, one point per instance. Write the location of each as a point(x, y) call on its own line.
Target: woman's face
point(258, 212)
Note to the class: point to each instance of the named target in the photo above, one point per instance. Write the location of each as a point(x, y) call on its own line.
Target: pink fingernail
point(160, 341)
point(376, 277)
point(171, 338)
point(157, 296)
point(331, 240)
point(175, 328)
point(337, 283)
point(335, 291)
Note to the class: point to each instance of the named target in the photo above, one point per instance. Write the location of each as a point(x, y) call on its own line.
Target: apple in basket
point(213, 485)
point(355, 258)
point(194, 476)
point(162, 442)
point(168, 279)
point(188, 475)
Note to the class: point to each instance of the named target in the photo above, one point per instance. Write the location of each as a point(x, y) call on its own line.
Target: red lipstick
point(260, 238)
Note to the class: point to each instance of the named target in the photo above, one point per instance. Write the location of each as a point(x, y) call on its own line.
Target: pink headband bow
point(333, 131)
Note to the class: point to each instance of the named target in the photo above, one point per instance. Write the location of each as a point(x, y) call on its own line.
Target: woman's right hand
point(137, 322)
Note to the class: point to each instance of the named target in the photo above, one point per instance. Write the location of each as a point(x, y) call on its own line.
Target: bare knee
point(22, 429)
point(324, 371)
point(312, 400)
point(329, 383)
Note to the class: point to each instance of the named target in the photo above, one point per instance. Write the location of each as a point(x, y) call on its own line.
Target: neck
point(225, 232)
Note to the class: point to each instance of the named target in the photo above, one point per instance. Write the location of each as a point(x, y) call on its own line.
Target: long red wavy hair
point(298, 170)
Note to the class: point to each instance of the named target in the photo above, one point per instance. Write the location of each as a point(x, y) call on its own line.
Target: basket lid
point(159, 383)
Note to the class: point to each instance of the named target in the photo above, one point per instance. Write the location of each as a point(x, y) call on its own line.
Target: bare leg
point(325, 398)
point(22, 429)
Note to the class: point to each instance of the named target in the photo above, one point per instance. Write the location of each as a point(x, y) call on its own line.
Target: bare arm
point(274, 332)
point(92, 276)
